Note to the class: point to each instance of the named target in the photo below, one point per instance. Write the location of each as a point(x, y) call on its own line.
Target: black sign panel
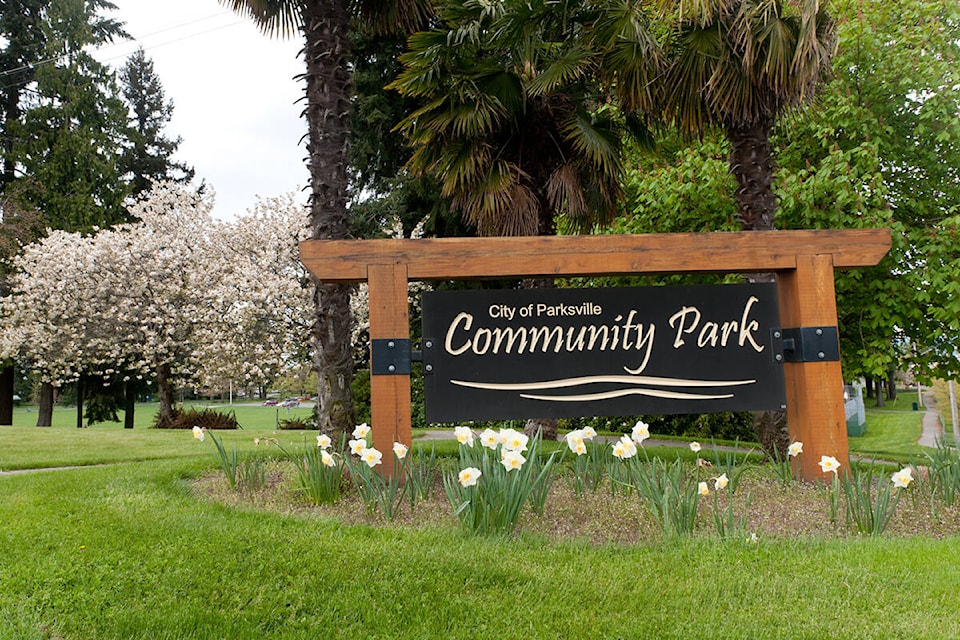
point(552, 353)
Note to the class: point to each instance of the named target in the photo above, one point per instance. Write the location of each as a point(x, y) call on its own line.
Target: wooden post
point(390, 393)
point(815, 413)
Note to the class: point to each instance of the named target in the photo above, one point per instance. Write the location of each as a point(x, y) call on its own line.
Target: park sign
point(555, 353)
point(803, 263)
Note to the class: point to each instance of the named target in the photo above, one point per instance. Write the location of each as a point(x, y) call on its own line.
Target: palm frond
point(568, 67)
point(281, 18)
point(593, 137)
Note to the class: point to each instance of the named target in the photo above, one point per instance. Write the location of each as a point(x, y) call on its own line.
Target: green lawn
point(129, 552)
point(25, 446)
point(890, 435)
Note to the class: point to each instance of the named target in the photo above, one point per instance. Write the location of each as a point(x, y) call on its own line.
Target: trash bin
point(916, 407)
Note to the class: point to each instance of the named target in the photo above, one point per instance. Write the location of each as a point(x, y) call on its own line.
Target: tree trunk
point(6, 395)
point(45, 405)
point(879, 391)
point(80, 402)
point(869, 382)
point(129, 403)
point(751, 164)
point(165, 392)
point(326, 26)
point(891, 387)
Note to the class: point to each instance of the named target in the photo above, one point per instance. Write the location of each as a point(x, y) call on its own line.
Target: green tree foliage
point(147, 156)
point(519, 122)
point(381, 189)
point(21, 47)
point(878, 149)
point(884, 150)
point(740, 65)
point(74, 123)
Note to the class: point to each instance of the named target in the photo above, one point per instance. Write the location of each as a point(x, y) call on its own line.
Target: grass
point(891, 435)
point(135, 550)
point(24, 446)
point(130, 552)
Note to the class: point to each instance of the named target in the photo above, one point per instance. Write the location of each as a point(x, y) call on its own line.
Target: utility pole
point(953, 414)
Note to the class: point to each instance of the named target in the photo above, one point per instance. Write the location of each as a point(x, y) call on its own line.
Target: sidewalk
point(932, 431)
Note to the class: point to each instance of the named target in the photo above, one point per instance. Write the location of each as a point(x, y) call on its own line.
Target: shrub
point(207, 419)
point(296, 424)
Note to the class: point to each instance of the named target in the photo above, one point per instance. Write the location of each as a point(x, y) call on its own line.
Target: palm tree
point(526, 108)
point(325, 26)
point(522, 119)
point(741, 65)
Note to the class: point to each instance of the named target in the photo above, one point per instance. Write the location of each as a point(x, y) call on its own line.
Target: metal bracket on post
point(390, 356)
point(810, 344)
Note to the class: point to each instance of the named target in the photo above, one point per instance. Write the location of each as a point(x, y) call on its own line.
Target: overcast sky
point(234, 95)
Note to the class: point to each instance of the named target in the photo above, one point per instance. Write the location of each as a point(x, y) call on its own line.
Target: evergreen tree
point(74, 123)
point(147, 155)
point(22, 46)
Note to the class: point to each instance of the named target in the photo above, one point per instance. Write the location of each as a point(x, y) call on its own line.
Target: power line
point(110, 45)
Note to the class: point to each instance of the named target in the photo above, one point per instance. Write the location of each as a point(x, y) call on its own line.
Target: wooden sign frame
point(803, 261)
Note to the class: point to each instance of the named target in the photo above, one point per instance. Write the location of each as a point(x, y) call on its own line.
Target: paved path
point(932, 431)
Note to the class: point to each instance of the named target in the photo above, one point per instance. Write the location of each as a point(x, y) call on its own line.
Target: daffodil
point(361, 430)
point(490, 439)
point(464, 435)
point(198, 433)
point(323, 441)
point(721, 482)
point(703, 489)
point(902, 479)
point(512, 459)
point(372, 457)
point(399, 450)
point(514, 440)
point(695, 447)
point(469, 476)
point(589, 433)
point(357, 447)
point(575, 442)
point(624, 448)
point(327, 458)
point(795, 449)
point(828, 464)
point(641, 431)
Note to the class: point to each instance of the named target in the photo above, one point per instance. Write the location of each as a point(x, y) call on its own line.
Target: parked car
point(290, 402)
point(270, 403)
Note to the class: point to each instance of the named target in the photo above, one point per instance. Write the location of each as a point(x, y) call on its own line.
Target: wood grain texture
point(470, 258)
point(815, 411)
point(389, 394)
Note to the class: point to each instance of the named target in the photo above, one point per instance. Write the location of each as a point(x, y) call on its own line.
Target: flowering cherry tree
point(176, 296)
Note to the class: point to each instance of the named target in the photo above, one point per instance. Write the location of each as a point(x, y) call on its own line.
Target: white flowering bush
point(176, 296)
point(497, 479)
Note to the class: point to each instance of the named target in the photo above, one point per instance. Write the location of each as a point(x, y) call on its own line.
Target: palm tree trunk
point(45, 405)
point(751, 164)
point(327, 50)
